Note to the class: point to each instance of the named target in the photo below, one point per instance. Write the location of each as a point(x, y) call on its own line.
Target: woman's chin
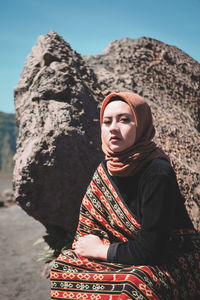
point(116, 148)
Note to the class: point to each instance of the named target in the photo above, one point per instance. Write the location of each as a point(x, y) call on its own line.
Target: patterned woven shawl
point(104, 213)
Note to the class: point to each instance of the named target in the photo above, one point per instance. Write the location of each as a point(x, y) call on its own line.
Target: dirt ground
point(20, 272)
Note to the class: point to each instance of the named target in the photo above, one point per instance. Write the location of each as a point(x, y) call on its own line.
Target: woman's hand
point(91, 246)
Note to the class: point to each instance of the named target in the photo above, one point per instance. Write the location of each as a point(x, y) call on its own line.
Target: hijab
point(133, 159)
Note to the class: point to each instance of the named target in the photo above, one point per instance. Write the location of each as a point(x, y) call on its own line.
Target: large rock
point(58, 145)
point(169, 80)
point(57, 105)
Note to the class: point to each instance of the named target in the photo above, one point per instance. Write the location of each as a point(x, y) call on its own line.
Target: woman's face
point(118, 130)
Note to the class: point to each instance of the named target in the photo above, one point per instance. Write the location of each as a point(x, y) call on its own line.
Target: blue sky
point(89, 26)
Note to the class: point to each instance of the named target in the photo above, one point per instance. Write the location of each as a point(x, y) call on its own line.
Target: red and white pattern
point(103, 213)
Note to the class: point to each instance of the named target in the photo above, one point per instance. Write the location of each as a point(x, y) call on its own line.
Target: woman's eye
point(124, 120)
point(106, 122)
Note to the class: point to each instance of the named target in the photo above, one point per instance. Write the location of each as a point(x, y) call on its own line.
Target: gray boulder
point(58, 147)
point(57, 110)
point(169, 79)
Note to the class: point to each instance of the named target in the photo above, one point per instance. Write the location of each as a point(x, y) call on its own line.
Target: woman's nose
point(114, 126)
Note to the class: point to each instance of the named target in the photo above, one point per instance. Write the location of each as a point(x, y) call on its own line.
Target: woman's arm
point(159, 194)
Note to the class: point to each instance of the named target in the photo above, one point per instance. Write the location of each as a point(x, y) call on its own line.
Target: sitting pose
point(134, 238)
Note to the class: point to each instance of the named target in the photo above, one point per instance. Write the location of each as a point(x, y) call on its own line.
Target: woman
point(134, 238)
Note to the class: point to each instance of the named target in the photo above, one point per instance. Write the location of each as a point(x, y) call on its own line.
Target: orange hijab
point(134, 158)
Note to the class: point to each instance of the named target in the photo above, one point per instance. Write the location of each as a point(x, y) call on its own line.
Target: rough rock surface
point(169, 80)
point(57, 113)
point(58, 143)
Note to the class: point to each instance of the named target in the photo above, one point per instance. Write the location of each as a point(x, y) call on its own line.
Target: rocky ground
point(20, 273)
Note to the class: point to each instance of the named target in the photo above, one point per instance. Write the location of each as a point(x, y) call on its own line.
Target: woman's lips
point(114, 139)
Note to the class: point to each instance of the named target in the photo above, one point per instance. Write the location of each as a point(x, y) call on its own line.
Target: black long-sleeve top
point(154, 199)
